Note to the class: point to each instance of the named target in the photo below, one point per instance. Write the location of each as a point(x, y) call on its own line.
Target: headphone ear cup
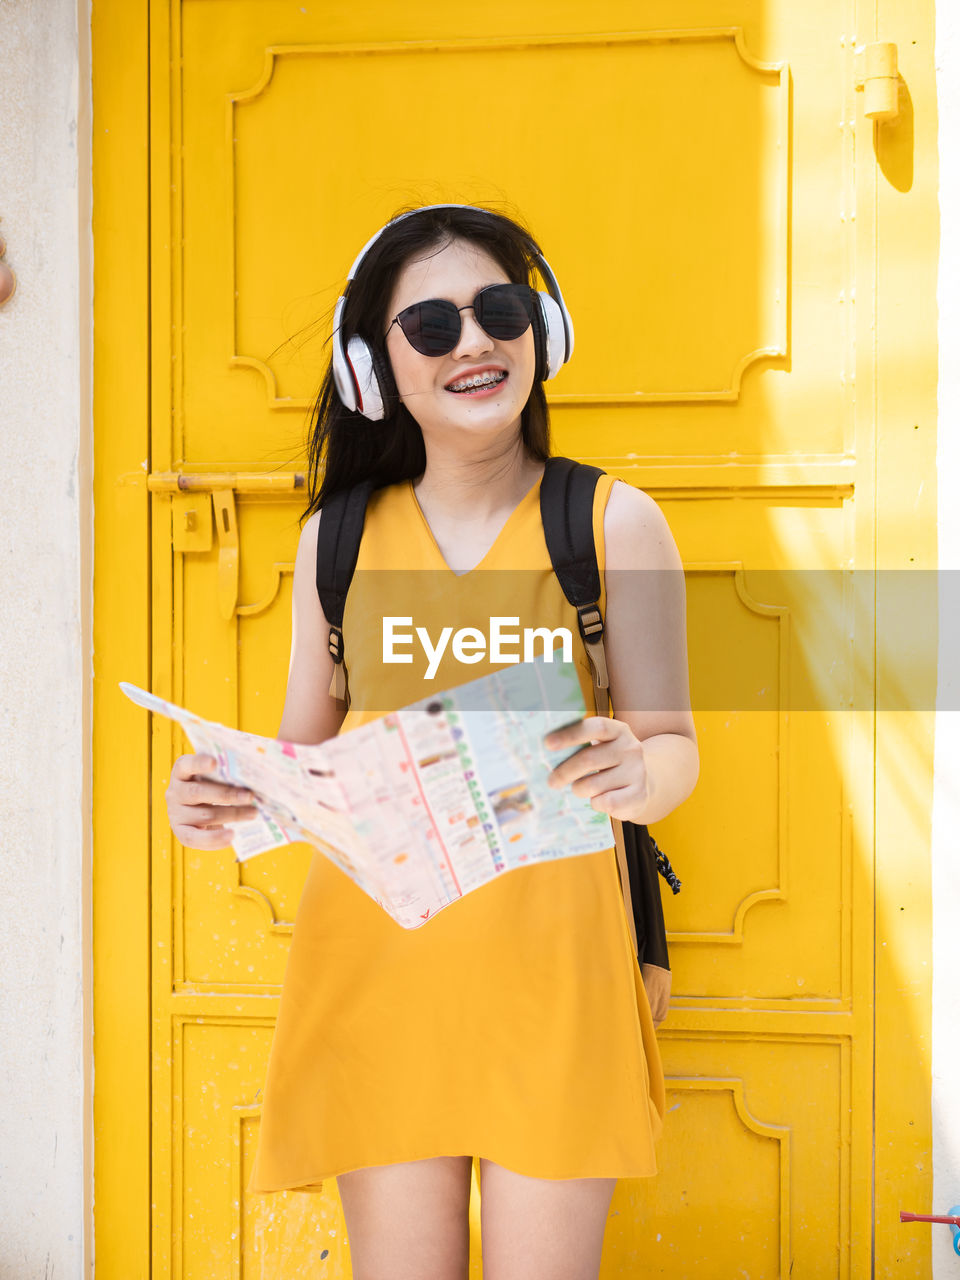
point(361, 360)
point(538, 323)
point(342, 372)
point(555, 342)
point(389, 396)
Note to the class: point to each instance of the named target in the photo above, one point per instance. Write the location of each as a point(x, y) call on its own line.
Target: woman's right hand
point(199, 809)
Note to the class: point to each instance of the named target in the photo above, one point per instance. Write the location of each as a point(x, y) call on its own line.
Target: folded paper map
point(423, 805)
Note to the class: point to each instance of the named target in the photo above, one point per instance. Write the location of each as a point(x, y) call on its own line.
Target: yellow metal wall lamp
point(875, 75)
point(8, 281)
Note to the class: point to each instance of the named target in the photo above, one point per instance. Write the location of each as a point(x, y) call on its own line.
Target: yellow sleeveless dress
point(513, 1025)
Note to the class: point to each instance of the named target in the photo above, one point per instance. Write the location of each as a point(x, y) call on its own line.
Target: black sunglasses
point(504, 311)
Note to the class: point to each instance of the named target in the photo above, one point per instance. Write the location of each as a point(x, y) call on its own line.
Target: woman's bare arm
point(645, 641)
point(310, 713)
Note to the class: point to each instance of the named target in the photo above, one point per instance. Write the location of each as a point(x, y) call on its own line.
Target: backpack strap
point(338, 545)
point(566, 511)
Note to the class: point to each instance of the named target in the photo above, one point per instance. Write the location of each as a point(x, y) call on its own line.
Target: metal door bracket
point(192, 521)
point(875, 75)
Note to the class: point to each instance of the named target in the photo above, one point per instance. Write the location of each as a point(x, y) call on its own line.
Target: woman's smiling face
point(457, 272)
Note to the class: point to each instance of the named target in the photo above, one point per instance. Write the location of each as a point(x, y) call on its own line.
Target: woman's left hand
point(610, 770)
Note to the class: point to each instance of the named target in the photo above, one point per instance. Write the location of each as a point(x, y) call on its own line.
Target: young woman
point(514, 1027)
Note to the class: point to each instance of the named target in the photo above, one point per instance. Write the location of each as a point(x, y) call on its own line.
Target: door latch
point(193, 496)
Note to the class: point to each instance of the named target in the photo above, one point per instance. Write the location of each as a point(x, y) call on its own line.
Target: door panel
point(755, 1121)
point(697, 199)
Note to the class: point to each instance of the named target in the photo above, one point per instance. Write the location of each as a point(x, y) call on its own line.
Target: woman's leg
point(536, 1227)
point(408, 1221)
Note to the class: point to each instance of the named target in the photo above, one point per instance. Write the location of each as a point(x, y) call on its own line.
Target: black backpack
point(566, 511)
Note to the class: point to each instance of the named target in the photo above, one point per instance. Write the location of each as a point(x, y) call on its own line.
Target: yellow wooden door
point(704, 184)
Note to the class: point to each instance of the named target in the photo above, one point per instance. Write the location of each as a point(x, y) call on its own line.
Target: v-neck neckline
point(534, 490)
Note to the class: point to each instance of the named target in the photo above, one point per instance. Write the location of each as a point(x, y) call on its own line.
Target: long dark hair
point(345, 447)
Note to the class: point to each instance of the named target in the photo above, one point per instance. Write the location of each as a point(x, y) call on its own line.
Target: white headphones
point(363, 387)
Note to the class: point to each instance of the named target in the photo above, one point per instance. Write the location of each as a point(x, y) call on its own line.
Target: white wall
point(45, 598)
point(946, 804)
